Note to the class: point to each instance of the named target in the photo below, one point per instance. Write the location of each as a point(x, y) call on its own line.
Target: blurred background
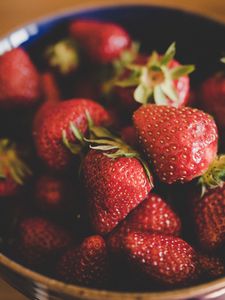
point(15, 13)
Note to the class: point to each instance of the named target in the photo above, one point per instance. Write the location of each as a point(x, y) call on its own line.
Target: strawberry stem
point(215, 175)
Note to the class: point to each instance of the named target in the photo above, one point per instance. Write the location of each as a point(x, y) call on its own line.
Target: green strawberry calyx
point(215, 175)
point(63, 56)
point(155, 80)
point(11, 164)
point(118, 66)
point(101, 139)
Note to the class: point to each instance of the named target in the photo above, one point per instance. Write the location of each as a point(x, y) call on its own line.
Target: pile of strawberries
point(119, 185)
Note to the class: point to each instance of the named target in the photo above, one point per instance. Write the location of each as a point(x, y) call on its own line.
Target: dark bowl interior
point(199, 40)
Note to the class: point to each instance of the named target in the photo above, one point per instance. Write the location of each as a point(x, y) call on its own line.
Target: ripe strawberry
point(51, 97)
point(212, 96)
point(157, 78)
point(40, 240)
point(48, 137)
point(153, 215)
point(181, 142)
point(49, 87)
point(211, 267)
point(114, 187)
point(167, 260)
point(128, 134)
point(102, 41)
point(209, 216)
point(19, 80)
point(86, 264)
point(54, 195)
point(13, 170)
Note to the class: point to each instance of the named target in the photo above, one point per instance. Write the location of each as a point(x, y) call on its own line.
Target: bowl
point(200, 40)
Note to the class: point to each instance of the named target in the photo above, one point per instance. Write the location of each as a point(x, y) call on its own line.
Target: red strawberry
point(39, 240)
point(13, 170)
point(19, 80)
point(211, 267)
point(51, 97)
point(153, 215)
point(102, 41)
point(212, 96)
point(181, 142)
point(48, 137)
point(86, 264)
point(128, 134)
point(50, 88)
point(53, 194)
point(157, 78)
point(209, 216)
point(165, 259)
point(114, 186)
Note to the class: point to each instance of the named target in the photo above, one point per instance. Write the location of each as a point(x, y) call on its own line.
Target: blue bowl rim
point(91, 293)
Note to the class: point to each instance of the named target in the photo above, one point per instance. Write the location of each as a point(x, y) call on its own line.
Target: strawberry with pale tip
point(158, 78)
point(13, 170)
point(153, 215)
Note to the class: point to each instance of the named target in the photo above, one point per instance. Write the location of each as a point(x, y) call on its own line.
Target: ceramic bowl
point(199, 40)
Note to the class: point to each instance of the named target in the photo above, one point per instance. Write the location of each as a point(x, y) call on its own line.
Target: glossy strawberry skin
point(19, 80)
point(181, 143)
point(86, 264)
point(209, 216)
point(153, 215)
point(48, 137)
point(103, 42)
point(212, 96)
point(39, 240)
point(114, 187)
point(125, 96)
point(167, 260)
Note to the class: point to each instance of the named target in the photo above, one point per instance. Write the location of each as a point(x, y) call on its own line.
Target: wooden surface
point(14, 13)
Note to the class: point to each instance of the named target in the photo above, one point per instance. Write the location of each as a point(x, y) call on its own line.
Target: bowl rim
point(91, 293)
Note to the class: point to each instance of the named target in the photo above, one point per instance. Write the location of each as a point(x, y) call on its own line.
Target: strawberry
point(212, 96)
point(48, 137)
point(102, 41)
point(181, 142)
point(128, 134)
point(153, 215)
point(167, 260)
point(114, 187)
point(51, 97)
point(19, 80)
point(53, 194)
point(209, 216)
point(50, 89)
point(13, 170)
point(39, 240)
point(158, 78)
point(86, 264)
point(211, 267)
